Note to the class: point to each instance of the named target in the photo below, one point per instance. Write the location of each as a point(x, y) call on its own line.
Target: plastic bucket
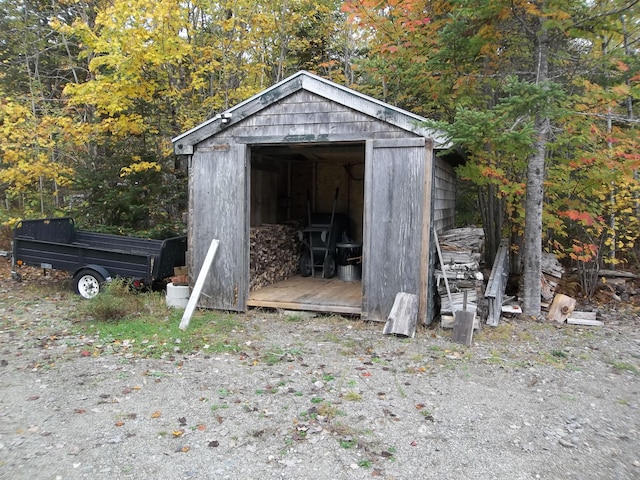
point(177, 295)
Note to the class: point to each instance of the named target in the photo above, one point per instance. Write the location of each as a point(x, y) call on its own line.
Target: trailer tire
point(88, 283)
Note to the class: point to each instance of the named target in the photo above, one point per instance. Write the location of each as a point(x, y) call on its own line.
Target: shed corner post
point(425, 248)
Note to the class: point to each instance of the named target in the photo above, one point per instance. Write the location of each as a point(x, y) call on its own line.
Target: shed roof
point(303, 80)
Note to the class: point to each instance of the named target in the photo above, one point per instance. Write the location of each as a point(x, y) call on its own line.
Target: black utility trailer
point(95, 258)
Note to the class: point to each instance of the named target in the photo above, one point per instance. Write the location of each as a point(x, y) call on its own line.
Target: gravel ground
point(338, 400)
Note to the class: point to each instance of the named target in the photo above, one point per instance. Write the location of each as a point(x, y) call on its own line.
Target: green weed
point(625, 367)
point(352, 396)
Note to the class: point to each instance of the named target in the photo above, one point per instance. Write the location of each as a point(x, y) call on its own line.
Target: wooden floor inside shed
point(310, 293)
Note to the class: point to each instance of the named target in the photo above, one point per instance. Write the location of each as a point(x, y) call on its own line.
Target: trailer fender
point(98, 268)
point(89, 279)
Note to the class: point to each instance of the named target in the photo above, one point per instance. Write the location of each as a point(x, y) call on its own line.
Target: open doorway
point(291, 185)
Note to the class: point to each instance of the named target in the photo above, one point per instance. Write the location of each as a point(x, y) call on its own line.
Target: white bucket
point(177, 295)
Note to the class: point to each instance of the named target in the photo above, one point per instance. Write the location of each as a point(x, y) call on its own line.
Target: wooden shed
point(262, 165)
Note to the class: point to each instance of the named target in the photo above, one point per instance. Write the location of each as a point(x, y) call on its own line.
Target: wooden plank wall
point(304, 116)
point(217, 202)
point(444, 196)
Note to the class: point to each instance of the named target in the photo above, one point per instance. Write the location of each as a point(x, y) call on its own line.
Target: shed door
point(396, 224)
point(218, 203)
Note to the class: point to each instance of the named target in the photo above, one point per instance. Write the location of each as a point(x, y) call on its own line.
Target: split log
point(561, 308)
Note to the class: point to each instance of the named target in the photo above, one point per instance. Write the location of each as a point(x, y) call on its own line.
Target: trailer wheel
point(88, 283)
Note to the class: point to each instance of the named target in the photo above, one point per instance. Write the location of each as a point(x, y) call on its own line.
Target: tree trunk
point(492, 213)
point(532, 272)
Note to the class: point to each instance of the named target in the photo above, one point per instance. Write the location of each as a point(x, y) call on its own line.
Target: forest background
point(540, 95)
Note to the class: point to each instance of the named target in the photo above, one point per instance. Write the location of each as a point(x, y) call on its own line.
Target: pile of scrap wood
point(462, 251)
point(274, 254)
point(559, 307)
point(563, 310)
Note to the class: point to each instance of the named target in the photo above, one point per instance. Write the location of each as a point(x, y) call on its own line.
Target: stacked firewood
point(462, 250)
point(274, 254)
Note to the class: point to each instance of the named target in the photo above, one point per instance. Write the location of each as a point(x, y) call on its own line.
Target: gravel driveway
point(335, 399)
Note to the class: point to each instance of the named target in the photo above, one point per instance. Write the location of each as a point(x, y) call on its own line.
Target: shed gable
point(319, 88)
point(305, 117)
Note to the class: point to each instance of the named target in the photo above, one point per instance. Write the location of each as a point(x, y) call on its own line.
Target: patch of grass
point(328, 411)
point(495, 357)
point(557, 358)
point(142, 324)
point(114, 302)
point(277, 354)
point(352, 396)
point(625, 367)
point(348, 442)
point(215, 407)
point(502, 333)
point(294, 317)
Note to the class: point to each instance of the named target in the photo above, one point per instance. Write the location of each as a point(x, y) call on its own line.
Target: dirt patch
point(315, 398)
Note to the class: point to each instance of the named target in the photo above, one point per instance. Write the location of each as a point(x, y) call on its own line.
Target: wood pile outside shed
point(462, 251)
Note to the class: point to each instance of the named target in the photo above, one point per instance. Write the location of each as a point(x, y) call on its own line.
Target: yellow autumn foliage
point(139, 167)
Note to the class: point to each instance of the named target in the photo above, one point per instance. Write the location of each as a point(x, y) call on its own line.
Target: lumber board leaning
point(463, 327)
point(197, 289)
point(497, 283)
point(403, 316)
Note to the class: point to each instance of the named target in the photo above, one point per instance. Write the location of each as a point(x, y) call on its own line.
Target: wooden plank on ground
point(584, 318)
point(403, 316)
point(561, 308)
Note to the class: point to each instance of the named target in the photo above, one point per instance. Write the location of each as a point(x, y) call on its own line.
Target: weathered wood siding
point(394, 215)
point(306, 117)
point(218, 205)
point(398, 170)
point(444, 196)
